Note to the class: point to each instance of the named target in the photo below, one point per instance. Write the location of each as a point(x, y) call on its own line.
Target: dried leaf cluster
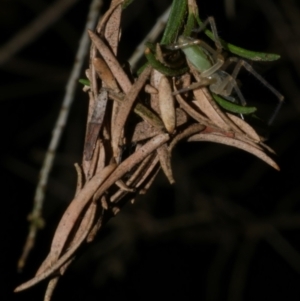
point(123, 152)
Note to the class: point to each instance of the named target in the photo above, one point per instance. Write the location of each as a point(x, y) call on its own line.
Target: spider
point(210, 63)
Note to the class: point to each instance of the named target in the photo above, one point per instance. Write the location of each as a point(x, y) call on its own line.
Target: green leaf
point(244, 53)
point(84, 81)
point(175, 22)
point(232, 107)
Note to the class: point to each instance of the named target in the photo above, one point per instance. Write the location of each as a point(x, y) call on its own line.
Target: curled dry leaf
point(191, 111)
point(132, 161)
point(72, 214)
point(140, 109)
point(97, 158)
point(112, 62)
point(166, 104)
point(206, 106)
point(112, 22)
point(64, 258)
point(209, 107)
point(145, 185)
point(125, 109)
point(120, 183)
point(150, 89)
point(164, 156)
point(141, 171)
point(112, 26)
point(154, 81)
point(50, 288)
point(97, 225)
point(192, 129)
point(236, 143)
point(143, 180)
point(245, 127)
point(94, 125)
point(143, 131)
point(79, 178)
point(105, 74)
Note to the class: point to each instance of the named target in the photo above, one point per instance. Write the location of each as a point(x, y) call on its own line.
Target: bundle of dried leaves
point(109, 171)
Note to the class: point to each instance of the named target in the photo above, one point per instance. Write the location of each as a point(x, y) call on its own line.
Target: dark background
point(227, 230)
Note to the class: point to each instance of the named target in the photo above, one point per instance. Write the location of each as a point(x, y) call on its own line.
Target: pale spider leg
point(213, 27)
point(250, 69)
point(203, 83)
point(225, 86)
point(217, 57)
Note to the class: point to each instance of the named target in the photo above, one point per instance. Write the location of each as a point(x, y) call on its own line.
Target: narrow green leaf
point(84, 81)
point(190, 25)
point(232, 107)
point(244, 53)
point(175, 22)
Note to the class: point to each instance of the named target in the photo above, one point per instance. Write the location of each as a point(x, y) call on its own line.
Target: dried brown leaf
point(104, 73)
point(120, 183)
point(191, 111)
point(99, 221)
point(145, 185)
point(164, 156)
point(206, 106)
point(105, 20)
point(72, 214)
point(236, 143)
point(93, 127)
point(132, 161)
point(135, 177)
point(111, 61)
point(166, 104)
point(191, 130)
point(144, 130)
point(79, 178)
point(125, 109)
point(112, 28)
point(147, 172)
point(90, 166)
point(89, 216)
point(150, 89)
point(209, 107)
point(154, 81)
point(245, 127)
